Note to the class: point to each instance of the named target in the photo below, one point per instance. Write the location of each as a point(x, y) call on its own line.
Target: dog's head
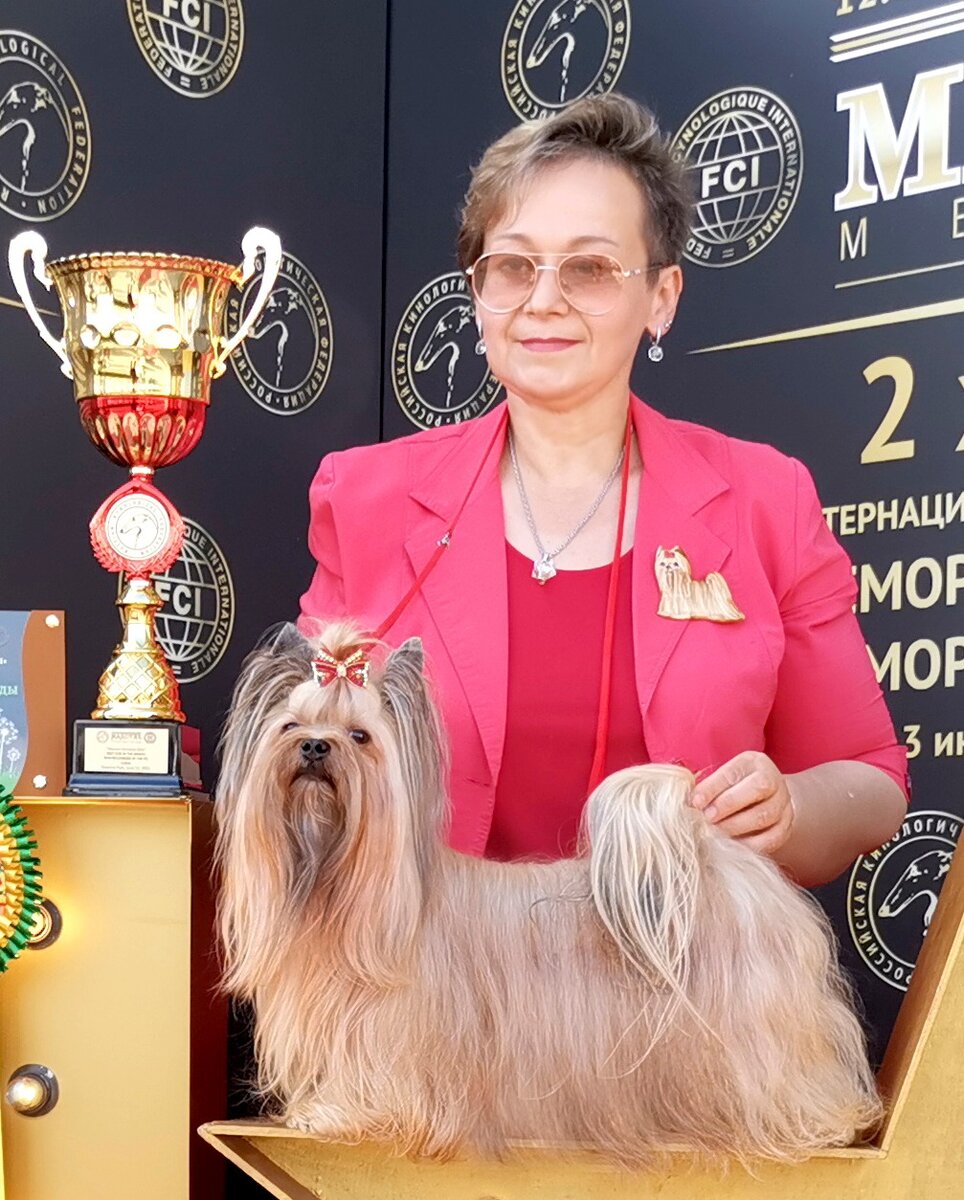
point(322, 733)
point(672, 561)
point(331, 775)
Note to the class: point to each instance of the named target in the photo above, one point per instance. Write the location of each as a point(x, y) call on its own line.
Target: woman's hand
point(748, 798)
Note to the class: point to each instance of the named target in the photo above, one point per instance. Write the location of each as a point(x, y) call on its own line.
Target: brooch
point(683, 598)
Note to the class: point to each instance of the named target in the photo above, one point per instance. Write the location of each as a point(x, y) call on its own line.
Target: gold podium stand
point(121, 1007)
point(919, 1152)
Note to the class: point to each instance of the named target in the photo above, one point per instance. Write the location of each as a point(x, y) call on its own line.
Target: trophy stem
point(138, 683)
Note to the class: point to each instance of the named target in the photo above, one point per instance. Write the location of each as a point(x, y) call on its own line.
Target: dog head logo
point(44, 131)
point(439, 374)
point(921, 880)
point(556, 51)
point(445, 342)
point(285, 361)
point(892, 894)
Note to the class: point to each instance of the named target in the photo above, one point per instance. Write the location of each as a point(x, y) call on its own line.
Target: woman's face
point(546, 351)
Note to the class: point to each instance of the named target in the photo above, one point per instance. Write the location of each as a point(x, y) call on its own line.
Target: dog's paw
point(299, 1119)
point(322, 1120)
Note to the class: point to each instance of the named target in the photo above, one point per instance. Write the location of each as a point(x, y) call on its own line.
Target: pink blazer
point(794, 679)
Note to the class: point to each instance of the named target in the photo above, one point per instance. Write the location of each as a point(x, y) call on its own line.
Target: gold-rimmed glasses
point(503, 281)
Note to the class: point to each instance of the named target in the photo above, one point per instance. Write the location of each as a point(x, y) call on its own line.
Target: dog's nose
point(312, 749)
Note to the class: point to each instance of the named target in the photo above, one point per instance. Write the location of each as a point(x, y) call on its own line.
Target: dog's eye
point(359, 735)
point(288, 728)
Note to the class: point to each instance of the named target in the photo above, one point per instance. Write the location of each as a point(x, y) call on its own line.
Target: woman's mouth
point(547, 345)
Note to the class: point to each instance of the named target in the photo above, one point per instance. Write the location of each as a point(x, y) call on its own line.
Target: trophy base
point(126, 758)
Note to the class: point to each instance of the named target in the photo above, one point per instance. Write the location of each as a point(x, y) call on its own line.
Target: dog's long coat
point(667, 988)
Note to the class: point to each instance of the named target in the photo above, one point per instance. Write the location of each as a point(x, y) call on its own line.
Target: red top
point(555, 665)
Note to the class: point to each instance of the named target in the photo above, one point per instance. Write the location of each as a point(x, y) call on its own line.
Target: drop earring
point(480, 344)
point(655, 351)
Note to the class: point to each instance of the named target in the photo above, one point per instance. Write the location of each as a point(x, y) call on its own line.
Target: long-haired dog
point(666, 989)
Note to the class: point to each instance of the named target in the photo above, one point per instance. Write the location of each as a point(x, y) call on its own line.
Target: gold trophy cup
point(142, 341)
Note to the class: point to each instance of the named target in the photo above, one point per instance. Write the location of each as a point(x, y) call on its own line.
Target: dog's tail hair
point(707, 921)
point(643, 843)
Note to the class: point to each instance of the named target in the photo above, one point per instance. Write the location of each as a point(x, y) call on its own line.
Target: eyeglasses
point(591, 283)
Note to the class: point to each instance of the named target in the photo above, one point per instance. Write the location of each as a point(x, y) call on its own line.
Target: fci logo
point(193, 45)
point(743, 147)
point(195, 624)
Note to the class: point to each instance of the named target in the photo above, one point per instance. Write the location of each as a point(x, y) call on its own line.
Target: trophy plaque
point(142, 341)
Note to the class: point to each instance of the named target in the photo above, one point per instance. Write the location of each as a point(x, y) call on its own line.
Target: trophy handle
point(254, 240)
point(30, 242)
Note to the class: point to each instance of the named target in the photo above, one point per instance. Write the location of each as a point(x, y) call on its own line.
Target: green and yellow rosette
point(19, 881)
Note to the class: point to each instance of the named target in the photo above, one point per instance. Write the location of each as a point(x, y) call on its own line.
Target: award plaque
point(142, 341)
point(33, 704)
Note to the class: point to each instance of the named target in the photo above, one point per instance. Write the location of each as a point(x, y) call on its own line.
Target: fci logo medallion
point(193, 45)
point(743, 147)
point(195, 624)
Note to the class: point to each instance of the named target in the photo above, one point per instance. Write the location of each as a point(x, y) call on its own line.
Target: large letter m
point(926, 120)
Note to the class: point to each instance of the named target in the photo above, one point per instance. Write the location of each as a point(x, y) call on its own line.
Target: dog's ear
point(411, 654)
point(402, 682)
point(284, 638)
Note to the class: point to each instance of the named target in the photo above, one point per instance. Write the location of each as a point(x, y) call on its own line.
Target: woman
point(572, 234)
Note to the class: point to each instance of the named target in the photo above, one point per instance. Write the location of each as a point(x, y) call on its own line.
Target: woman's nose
point(546, 294)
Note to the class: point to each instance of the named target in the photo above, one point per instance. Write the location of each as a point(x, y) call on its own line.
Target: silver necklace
point(543, 567)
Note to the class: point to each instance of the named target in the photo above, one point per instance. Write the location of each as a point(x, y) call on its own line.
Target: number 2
point(879, 448)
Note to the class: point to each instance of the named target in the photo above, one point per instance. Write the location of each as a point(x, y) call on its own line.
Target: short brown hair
point(610, 127)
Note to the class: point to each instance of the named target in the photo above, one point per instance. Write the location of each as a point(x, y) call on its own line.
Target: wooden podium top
point(26, 798)
point(917, 1152)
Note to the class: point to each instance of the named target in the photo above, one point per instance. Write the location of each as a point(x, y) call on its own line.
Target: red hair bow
point(326, 668)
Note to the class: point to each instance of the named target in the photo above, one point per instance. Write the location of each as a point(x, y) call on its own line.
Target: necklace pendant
point(542, 569)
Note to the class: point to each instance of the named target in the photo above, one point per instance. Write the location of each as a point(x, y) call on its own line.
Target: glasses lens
point(503, 281)
point(590, 282)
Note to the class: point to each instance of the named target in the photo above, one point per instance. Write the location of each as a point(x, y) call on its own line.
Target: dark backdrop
point(808, 315)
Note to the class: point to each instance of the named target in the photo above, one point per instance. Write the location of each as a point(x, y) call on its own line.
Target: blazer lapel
point(677, 483)
point(466, 593)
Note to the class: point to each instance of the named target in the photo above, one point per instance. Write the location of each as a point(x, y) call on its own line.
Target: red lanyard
point(609, 633)
point(605, 686)
point(446, 538)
